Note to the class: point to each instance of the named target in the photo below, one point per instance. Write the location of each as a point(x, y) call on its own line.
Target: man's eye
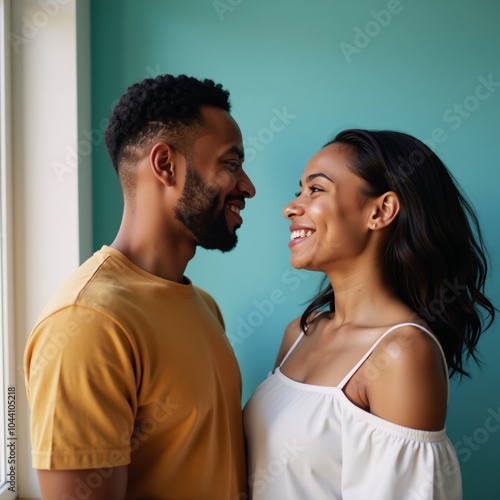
point(233, 165)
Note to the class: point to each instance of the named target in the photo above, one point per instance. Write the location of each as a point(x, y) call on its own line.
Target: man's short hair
point(167, 108)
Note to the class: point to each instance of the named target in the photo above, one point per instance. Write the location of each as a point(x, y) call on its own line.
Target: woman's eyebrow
point(319, 174)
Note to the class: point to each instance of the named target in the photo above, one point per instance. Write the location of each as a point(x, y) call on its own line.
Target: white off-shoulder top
point(310, 442)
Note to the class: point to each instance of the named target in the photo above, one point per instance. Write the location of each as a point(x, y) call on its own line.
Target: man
point(134, 388)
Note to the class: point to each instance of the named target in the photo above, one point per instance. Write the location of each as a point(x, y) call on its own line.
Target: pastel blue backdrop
point(298, 72)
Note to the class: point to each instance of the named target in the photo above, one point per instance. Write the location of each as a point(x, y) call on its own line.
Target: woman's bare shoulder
point(408, 382)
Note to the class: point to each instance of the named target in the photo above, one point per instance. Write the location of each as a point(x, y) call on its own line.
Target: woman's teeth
point(300, 234)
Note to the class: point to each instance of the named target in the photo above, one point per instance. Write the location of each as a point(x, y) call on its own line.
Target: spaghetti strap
point(298, 339)
point(372, 348)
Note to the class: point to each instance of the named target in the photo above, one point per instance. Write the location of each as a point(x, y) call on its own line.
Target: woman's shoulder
point(407, 368)
point(292, 333)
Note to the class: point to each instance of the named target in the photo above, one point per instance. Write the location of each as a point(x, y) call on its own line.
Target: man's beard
point(197, 210)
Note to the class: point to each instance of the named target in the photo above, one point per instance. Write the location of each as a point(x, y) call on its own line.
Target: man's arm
point(83, 402)
point(92, 484)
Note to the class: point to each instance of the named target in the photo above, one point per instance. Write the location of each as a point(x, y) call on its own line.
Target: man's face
point(198, 209)
point(215, 185)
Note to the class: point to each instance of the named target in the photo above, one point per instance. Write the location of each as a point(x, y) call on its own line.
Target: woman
point(356, 406)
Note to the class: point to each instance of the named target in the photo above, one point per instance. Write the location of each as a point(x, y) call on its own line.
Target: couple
point(134, 389)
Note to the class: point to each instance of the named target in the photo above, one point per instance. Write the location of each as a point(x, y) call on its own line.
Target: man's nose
point(245, 185)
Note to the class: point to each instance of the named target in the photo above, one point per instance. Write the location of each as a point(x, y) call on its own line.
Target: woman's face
point(329, 219)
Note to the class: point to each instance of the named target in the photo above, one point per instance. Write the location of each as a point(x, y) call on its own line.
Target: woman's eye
point(312, 189)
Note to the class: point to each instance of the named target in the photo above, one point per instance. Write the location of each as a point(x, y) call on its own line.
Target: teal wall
point(312, 60)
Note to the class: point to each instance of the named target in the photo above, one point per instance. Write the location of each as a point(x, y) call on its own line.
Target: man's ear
point(162, 159)
point(384, 211)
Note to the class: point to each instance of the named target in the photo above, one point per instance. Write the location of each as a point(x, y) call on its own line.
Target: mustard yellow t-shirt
point(124, 367)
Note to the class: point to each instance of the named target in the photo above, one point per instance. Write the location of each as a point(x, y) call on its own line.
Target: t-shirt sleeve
point(81, 380)
point(398, 463)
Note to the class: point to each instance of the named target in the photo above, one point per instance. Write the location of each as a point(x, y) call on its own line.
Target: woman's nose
point(293, 208)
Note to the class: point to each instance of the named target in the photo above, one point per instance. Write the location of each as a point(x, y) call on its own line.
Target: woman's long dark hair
point(435, 256)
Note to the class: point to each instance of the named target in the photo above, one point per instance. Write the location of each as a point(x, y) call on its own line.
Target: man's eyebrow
point(235, 149)
point(309, 178)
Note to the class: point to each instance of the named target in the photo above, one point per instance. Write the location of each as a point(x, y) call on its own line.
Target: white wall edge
point(51, 174)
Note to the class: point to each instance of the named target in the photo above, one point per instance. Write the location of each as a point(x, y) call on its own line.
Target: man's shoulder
point(209, 301)
point(205, 296)
point(88, 286)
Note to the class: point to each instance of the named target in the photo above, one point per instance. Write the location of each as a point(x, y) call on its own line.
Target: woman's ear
point(162, 162)
point(385, 210)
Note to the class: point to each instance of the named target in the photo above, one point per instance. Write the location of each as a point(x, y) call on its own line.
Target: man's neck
point(152, 251)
